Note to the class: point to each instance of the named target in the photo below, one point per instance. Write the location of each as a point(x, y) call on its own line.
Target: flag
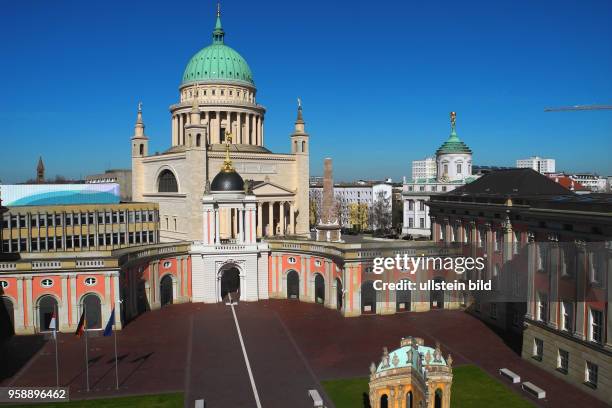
point(53, 322)
point(108, 330)
point(81, 326)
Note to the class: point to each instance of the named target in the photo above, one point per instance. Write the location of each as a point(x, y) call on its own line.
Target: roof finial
point(453, 118)
point(218, 32)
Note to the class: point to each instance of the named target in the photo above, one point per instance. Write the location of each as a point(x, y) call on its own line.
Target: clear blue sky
point(377, 79)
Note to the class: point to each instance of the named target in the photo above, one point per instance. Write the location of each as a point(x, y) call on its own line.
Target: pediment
point(270, 189)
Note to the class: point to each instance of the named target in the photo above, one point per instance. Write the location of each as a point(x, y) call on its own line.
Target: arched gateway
point(230, 283)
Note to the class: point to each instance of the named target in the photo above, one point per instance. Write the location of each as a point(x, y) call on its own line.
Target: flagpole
point(86, 351)
point(116, 364)
point(56, 356)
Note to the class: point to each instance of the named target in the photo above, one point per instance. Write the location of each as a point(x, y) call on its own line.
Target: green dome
point(453, 145)
point(218, 62)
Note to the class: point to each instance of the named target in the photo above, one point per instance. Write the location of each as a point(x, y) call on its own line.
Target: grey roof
point(512, 183)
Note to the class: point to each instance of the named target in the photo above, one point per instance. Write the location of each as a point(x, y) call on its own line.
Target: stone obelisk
point(328, 228)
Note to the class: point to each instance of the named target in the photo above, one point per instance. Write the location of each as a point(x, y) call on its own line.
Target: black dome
point(227, 181)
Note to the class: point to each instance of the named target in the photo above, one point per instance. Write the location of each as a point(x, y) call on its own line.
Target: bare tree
point(380, 213)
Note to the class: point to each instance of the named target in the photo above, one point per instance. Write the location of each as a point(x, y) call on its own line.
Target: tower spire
point(299, 122)
point(139, 126)
point(218, 32)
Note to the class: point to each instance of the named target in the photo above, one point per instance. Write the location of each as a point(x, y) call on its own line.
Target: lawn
point(148, 401)
point(472, 388)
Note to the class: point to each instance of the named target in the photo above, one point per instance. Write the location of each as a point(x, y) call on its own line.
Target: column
point(238, 127)
point(259, 220)
point(252, 222)
point(291, 218)
point(240, 225)
point(218, 139)
point(217, 220)
point(261, 137)
point(248, 128)
point(270, 219)
point(281, 217)
point(174, 132)
point(234, 215)
point(257, 130)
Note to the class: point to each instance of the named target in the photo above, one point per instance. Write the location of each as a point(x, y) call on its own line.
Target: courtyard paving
point(291, 347)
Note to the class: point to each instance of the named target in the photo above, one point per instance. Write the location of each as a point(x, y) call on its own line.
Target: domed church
point(217, 106)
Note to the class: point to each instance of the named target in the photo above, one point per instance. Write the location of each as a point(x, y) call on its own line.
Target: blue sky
point(377, 79)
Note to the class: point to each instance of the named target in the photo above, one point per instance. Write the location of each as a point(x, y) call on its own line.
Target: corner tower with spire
point(140, 150)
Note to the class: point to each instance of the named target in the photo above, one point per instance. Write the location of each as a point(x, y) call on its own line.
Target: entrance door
point(338, 294)
point(230, 283)
point(93, 311)
point(437, 296)
point(165, 290)
point(319, 289)
point(368, 298)
point(403, 299)
point(293, 285)
point(47, 305)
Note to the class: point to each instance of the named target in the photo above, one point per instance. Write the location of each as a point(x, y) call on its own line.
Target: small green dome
point(453, 145)
point(218, 62)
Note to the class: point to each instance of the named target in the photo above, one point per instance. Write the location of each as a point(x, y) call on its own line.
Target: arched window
point(409, 401)
point(303, 147)
point(384, 401)
point(141, 149)
point(167, 182)
point(198, 140)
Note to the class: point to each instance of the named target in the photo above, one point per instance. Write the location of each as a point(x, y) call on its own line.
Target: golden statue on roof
point(227, 163)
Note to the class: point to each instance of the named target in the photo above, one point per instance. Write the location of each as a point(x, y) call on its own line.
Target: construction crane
point(579, 108)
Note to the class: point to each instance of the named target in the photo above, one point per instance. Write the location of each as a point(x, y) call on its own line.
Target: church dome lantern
point(218, 63)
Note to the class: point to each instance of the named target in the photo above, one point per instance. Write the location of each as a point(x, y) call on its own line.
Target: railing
point(47, 265)
point(8, 266)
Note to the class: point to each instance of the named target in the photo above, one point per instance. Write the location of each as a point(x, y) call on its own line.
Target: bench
point(533, 390)
point(511, 375)
point(316, 398)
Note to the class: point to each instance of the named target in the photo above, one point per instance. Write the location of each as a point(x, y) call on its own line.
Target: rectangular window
point(410, 222)
point(422, 205)
point(421, 222)
point(410, 205)
point(591, 374)
point(538, 349)
point(596, 326)
point(443, 188)
point(563, 361)
point(100, 218)
point(58, 220)
point(122, 217)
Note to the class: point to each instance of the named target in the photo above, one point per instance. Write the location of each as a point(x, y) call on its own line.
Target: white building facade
point(424, 169)
point(537, 163)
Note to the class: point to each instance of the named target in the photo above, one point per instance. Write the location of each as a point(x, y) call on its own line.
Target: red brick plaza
point(291, 346)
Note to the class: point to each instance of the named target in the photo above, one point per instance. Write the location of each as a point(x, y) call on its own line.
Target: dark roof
point(512, 183)
point(227, 181)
